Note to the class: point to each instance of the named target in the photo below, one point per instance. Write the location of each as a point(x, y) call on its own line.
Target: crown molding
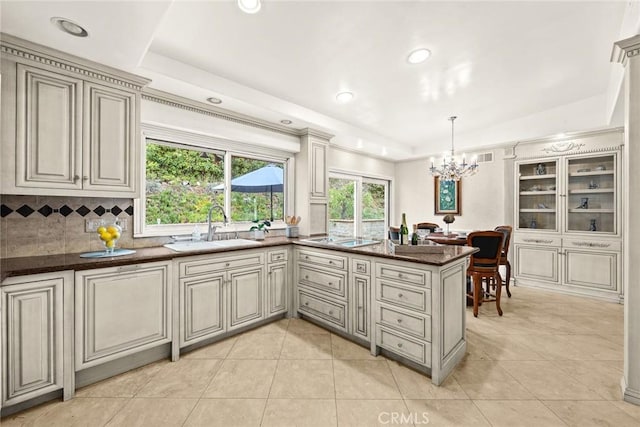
point(26, 50)
point(315, 133)
point(176, 101)
point(625, 49)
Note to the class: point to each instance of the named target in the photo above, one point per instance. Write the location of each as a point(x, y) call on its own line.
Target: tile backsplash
point(46, 225)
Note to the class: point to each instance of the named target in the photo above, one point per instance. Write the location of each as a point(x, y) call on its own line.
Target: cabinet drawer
point(216, 263)
point(412, 324)
point(410, 348)
point(537, 240)
point(404, 296)
point(361, 266)
point(277, 256)
point(600, 245)
point(324, 259)
point(333, 312)
point(319, 279)
point(408, 275)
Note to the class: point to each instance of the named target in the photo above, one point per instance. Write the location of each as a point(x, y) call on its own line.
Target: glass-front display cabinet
point(537, 201)
point(591, 194)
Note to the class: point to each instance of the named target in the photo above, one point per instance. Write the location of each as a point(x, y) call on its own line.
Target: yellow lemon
point(101, 229)
point(110, 243)
point(115, 234)
point(112, 229)
point(105, 236)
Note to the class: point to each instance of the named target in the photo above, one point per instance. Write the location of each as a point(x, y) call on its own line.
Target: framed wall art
point(447, 197)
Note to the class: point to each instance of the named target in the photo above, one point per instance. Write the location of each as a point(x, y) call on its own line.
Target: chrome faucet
point(210, 231)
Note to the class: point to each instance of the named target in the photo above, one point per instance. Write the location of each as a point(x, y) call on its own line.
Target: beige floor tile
point(217, 350)
point(242, 379)
point(505, 347)
point(585, 413)
point(547, 381)
point(184, 378)
point(300, 413)
point(629, 408)
point(575, 347)
point(474, 350)
point(226, 413)
point(81, 411)
point(345, 349)
point(358, 413)
point(518, 413)
point(452, 413)
point(27, 417)
point(260, 346)
point(144, 412)
point(599, 375)
point(307, 346)
point(364, 379)
point(303, 379)
point(485, 379)
point(123, 385)
point(300, 326)
point(277, 327)
point(414, 385)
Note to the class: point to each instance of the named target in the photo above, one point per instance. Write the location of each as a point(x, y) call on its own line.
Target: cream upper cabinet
point(69, 126)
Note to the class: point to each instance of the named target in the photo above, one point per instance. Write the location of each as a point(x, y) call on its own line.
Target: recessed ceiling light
point(344, 97)
point(418, 56)
point(249, 6)
point(286, 122)
point(69, 27)
point(214, 100)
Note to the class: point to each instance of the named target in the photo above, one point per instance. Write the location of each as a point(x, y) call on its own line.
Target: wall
point(483, 197)
point(360, 164)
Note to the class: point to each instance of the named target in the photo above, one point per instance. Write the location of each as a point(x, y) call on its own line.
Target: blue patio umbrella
point(267, 179)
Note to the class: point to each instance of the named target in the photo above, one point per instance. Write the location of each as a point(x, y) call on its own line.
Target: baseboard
point(628, 394)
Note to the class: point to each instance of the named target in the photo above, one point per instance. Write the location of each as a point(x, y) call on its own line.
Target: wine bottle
point(404, 231)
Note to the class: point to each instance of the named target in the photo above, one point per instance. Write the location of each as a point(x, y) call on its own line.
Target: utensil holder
point(291, 231)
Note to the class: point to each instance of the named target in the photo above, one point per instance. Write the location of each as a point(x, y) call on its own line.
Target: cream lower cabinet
point(360, 298)
point(219, 293)
point(277, 281)
point(537, 259)
point(37, 346)
point(120, 311)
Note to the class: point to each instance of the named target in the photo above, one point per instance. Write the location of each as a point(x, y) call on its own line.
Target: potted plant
point(260, 228)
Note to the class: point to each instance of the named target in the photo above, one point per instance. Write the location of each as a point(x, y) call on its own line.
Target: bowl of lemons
point(109, 235)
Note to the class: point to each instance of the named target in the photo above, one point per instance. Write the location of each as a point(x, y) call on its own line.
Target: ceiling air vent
point(485, 157)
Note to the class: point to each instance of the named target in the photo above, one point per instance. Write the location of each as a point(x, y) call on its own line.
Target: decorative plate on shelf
point(584, 170)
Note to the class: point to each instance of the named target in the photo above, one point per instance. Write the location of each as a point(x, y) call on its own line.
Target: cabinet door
point(245, 296)
point(33, 343)
point(120, 311)
point(318, 170)
point(201, 308)
point(360, 306)
point(277, 275)
point(598, 270)
point(537, 263)
point(48, 129)
point(109, 139)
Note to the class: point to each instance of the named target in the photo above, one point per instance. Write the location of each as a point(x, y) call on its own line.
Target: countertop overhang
point(11, 267)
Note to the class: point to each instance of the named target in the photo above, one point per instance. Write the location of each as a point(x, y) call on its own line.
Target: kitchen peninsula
point(411, 308)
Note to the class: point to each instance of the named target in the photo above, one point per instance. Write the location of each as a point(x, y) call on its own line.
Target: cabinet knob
point(306, 277)
point(75, 178)
point(331, 312)
point(400, 295)
point(85, 178)
point(330, 283)
point(400, 275)
point(399, 320)
point(227, 265)
point(330, 262)
point(306, 257)
point(306, 303)
point(400, 345)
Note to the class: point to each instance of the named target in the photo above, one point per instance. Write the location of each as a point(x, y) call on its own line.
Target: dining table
point(447, 239)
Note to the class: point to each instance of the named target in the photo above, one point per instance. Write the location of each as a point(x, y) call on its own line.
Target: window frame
point(184, 139)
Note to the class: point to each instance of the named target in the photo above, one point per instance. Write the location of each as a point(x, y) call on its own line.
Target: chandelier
point(451, 169)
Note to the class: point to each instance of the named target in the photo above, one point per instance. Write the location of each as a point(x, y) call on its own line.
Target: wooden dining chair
point(484, 265)
point(425, 226)
point(504, 260)
point(394, 233)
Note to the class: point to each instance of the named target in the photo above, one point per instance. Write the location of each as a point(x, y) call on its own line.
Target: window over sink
point(183, 181)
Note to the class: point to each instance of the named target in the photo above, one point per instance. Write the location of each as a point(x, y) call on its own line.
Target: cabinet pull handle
point(400, 345)
point(126, 268)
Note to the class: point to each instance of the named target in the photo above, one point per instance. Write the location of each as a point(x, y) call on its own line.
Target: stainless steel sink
point(203, 245)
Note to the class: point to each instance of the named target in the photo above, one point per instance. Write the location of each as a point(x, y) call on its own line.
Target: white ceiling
point(508, 70)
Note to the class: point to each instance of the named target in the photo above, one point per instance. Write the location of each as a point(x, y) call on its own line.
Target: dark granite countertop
point(10, 267)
